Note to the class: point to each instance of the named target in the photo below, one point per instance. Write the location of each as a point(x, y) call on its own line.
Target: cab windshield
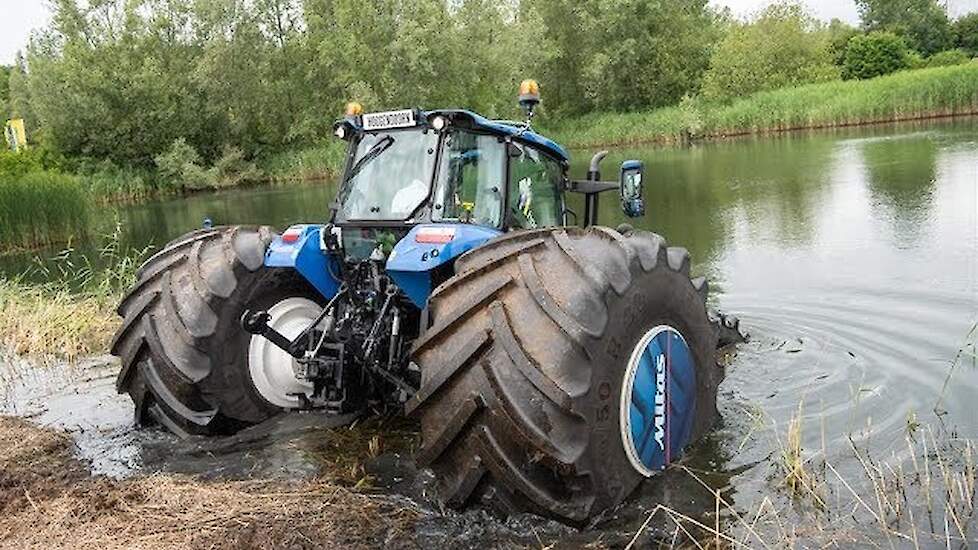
point(390, 175)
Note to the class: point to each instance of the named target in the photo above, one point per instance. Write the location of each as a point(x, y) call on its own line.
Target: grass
point(311, 163)
point(908, 95)
point(73, 316)
point(40, 208)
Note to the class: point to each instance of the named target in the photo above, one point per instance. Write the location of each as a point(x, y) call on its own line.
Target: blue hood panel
point(411, 262)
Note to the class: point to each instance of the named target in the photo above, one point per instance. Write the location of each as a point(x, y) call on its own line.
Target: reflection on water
point(902, 174)
point(851, 257)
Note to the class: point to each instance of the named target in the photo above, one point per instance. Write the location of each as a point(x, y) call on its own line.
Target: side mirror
point(632, 202)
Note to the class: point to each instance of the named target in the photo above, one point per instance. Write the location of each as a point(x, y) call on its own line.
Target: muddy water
point(851, 258)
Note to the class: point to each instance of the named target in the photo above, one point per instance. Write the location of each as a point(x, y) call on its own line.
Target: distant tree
point(609, 54)
point(966, 33)
point(875, 54)
point(783, 46)
point(5, 71)
point(19, 103)
point(840, 33)
point(924, 24)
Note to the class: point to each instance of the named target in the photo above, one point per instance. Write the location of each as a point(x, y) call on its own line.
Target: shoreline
point(669, 140)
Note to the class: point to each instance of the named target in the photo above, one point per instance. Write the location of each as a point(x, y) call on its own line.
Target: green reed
point(41, 208)
point(906, 95)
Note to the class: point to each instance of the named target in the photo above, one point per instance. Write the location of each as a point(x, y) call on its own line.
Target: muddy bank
point(48, 499)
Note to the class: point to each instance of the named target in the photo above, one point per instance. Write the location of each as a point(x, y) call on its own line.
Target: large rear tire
point(185, 358)
point(535, 341)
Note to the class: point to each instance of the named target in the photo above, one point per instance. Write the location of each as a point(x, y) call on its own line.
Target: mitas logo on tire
point(660, 401)
point(657, 402)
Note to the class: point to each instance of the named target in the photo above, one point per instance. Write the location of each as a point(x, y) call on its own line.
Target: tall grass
point(43, 207)
point(74, 315)
point(317, 162)
point(908, 95)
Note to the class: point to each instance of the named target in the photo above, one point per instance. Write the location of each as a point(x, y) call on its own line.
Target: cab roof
point(469, 119)
point(504, 127)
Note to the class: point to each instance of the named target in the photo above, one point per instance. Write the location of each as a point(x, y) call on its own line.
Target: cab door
point(535, 194)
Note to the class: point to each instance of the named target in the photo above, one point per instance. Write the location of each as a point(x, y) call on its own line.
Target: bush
point(784, 47)
point(948, 58)
point(875, 54)
point(18, 164)
point(232, 169)
point(180, 166)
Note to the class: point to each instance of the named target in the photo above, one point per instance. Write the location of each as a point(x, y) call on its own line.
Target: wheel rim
point(271, 368)
point(657, 400)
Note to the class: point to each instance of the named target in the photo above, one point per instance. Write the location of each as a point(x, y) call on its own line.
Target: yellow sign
point(15, 134)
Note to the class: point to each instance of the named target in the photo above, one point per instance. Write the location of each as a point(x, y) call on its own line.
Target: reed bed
point(318, 162)
point(40, 208)
point(908, 95)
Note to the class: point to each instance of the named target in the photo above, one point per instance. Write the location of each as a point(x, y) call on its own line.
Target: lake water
point(851, 258)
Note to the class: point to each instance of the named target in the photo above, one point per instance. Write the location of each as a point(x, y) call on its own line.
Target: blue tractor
point(551, 367)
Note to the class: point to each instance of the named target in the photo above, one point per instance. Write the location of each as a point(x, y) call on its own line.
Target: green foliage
point(18, 164)
point(5, 91)
point(948, 58)
point(315, 162)
point(904, 95)
point(180, 166)
point(840, 33)
point(875, 54)
point(924, 24)
point(783, 47)
point(966, 33)
point(40, 207)
point(608, 54)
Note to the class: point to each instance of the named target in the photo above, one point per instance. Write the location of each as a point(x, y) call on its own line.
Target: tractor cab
point(448, 166)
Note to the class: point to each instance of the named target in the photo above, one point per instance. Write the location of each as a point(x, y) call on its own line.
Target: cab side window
point(534, 190)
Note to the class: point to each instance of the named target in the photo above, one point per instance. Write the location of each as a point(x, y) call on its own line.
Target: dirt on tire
point(522, 367)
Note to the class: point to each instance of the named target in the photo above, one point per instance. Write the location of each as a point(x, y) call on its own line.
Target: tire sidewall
point(660, 297)
point(230, 383)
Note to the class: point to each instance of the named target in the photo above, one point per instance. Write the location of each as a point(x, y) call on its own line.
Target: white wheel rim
point(272, 369)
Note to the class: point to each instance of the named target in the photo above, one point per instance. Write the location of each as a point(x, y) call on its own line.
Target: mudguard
point(299, 248)
point(427, 247)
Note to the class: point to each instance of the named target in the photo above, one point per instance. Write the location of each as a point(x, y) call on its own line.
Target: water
point(851, 258)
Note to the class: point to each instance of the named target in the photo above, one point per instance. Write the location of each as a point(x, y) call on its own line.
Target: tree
point(783, 47)
point(924, 24)
point(875, 54)
point(840, 33)
point(966, 33)
point(620, 54)
point(5, 71)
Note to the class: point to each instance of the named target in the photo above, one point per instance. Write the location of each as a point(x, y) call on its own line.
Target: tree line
point(140, 83)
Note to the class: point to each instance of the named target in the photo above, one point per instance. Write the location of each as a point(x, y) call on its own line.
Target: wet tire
point(184, 354)
point(524, 365)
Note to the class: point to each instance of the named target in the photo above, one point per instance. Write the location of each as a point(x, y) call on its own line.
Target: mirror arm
point(588, 187)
